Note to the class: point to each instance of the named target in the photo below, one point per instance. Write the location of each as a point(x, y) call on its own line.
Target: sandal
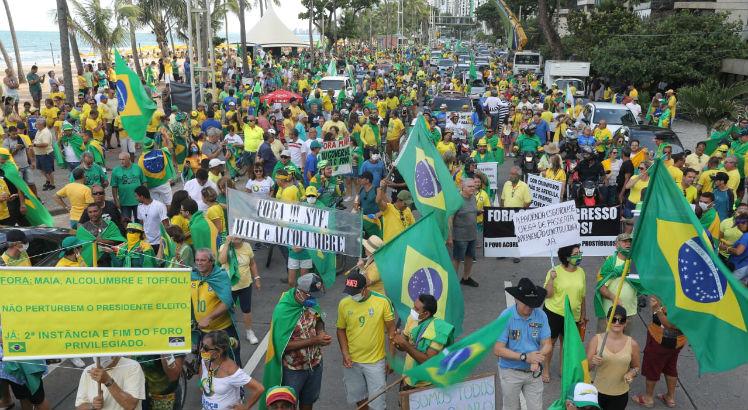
point(546, 378)
point(639, 399)
point(669, 403)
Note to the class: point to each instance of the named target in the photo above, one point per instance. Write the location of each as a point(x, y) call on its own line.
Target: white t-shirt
point(195, 190)
point(127, 374)
point(225, 389)
point(70, 153)
point(152, 215)
point(492, 103)
point(296, 148)
point(261, 187)
point(233, 139)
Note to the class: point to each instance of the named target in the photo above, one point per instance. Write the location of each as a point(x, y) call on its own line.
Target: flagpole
point(625, 272)
point(383, 391)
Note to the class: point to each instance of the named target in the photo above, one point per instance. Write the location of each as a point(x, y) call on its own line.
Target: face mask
point(575, 260)
point(703, 205)
point(310, 302)
point(414, 315)
point(358, 297)
point(311, 199)
point(25, 247)
point(132, 239)
point(206, 356)
point(194, 150)
point(106, 361)
point(514, 179)
point(623, 251)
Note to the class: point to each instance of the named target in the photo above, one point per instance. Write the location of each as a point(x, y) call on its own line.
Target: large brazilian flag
point(414, 262)
point(576, 369)
point(134, 106)
point(36, 213)
point(427, 176)
point(454, 363)
point(676, 262)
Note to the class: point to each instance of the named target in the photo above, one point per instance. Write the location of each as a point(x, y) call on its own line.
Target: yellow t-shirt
point(244, 256)
point(393, 223)
point(81, 82)
point(734, 179)
point(288, 194)
point(79, 195)
point(382, 108)
point(91, 125)
point(204, 302)
point(363, 323)
point(394, 129)
point(392, 103)
point(691, 194)
point(572, 284)
point(183, 223)
point(515, 196)
point(67, 263)
point(602, 135)
point(481, 201)
point(705, 180)
point(635, 194)
point(676, 173)
point(303, 84)
point(155, 122)
point(443, 147)
point(327, 103)
point(50, 114)
point(559, 175)
point(374, 279)
point(214, 212)
point(4, 212)
point(729, 233)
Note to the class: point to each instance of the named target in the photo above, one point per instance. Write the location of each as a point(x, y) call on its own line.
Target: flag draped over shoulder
point(157, 167)
point(576, 369)
point(204, 234)
point(169, 249)
point(110, 233)
point(411, 265)
point(134, 105)
point(677, 263)
point(285, 316)
point(325, 265)
point(36, 213)
point(427, 176)
point(454, 363)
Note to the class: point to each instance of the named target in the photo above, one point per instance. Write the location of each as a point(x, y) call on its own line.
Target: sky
point(24, 20)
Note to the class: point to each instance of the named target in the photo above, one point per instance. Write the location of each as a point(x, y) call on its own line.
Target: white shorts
point(299, 263)
point(162, 193)
point(168, 78)
point(128, 145)
point(364, 380)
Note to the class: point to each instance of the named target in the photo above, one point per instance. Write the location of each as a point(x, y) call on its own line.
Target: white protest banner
point(544, 191)
point(478, 392)
point(269, 220)
point(491, 169)
point(338, 155)
point(543, 230)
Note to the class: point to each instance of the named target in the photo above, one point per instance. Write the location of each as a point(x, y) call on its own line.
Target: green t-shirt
point(34, 88)
point(126, 180)
point(94, 175)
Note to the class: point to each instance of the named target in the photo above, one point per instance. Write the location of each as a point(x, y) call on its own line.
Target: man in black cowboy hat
point(522, 346)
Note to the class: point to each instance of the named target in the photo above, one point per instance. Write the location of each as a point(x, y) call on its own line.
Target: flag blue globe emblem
point(701, 280)
point(154, 162)
point(454, 359)
point(121, 95)
point(425, 280)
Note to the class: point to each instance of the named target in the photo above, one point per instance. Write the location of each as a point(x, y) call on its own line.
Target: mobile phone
point(170, 360)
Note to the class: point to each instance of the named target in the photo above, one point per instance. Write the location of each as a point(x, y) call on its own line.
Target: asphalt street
point(482, 304)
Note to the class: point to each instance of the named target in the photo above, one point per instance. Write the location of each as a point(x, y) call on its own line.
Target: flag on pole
point(473, 70)
point(676, 262)
point(36, 213)
point(569, 96)
point(454, 363)
point(332, 68)
point(576, 369)
point(134, 105)
point(410, 266)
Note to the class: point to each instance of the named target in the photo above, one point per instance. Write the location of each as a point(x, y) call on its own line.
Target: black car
point(44, 243)
point(645, 134)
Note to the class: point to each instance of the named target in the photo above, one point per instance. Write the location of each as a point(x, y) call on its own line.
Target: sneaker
point(462, 282)
point(78, 362)
point(471, 282)
point(250, 334)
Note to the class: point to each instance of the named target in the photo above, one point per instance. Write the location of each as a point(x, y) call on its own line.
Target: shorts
point(364, 380)
point(13, 96)
point(45, 163)
point(555, 322)
point(460, 249)
point(659, 360)
point(618, 402)
point(244, 296)
point(168, 78)
point(22, 392)
point(127, 145)
point(36, 96)
point(306, 383)
point(162, 193)
point(299, 263)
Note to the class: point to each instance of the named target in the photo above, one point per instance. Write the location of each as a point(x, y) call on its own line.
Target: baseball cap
point(309, 283)
point(215, 162)
point(322, 164)
point(280, 393)
point(406, 197)
point(286, 153)
point(354, 283)
point(271, 131)
point(311, 191)
point(623, 237)
point(585, 395)
point(315, 144)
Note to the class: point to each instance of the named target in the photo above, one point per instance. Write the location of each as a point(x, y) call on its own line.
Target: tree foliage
point(680, 49)
point(709, 101)
point(490, 14)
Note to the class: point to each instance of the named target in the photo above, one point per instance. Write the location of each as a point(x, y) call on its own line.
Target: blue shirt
point(740, 260)
point(585, 140)
point(310, 166)
point(376, 169)
point(523, 335)
point(302, 131)
point(541, 130)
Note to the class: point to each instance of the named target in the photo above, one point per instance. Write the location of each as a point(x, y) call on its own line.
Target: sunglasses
point(132, 231)
point(619, 320)
point(205, 348)
point(97, 193)
point(642, 168)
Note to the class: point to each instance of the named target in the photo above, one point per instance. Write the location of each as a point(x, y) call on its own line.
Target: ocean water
point(43, 47)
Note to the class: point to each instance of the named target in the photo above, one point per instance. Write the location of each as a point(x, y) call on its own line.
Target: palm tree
point(93, 23)
point(73, 44)
point(243, 37)
point(132, 23)
point(62, 25)
point(6, 56)
point(549, 31)
point(20, 73)
point(710, 101)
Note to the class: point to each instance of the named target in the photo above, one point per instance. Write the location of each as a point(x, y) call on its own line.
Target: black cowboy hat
point(527, 293)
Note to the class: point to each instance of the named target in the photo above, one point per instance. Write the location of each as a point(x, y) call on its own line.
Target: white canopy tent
point(271, 32)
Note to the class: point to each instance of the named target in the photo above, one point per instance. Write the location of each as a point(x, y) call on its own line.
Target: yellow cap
point(311, 191)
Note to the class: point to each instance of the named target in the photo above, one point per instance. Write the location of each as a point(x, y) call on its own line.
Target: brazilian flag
point(36, 213)
point(325, 265)
point(169, 249)
point(110, 233)
point(676, 262)
point(134, 106)
point(576, 369)
point(454, 364)
point(204, 234)
point(410, 266)
point(157, 167)
point(427, 176)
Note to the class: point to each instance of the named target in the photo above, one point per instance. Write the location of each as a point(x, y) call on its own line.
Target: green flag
point(427, 176)
point(676, 262)
point(110, 233)
point(36, 213)
point(285, 315)
point(576, 369)
point(454, 363)
point(332, 68)
point(410, 266)
point(204, 233)
point(473, 74)
point(134, 105)
point(325, 265)
point(170, 249)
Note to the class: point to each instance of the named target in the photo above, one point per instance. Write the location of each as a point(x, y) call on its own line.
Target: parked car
point(336, 83)
point(645, 134)
point(42, 241)
point(616, 115)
